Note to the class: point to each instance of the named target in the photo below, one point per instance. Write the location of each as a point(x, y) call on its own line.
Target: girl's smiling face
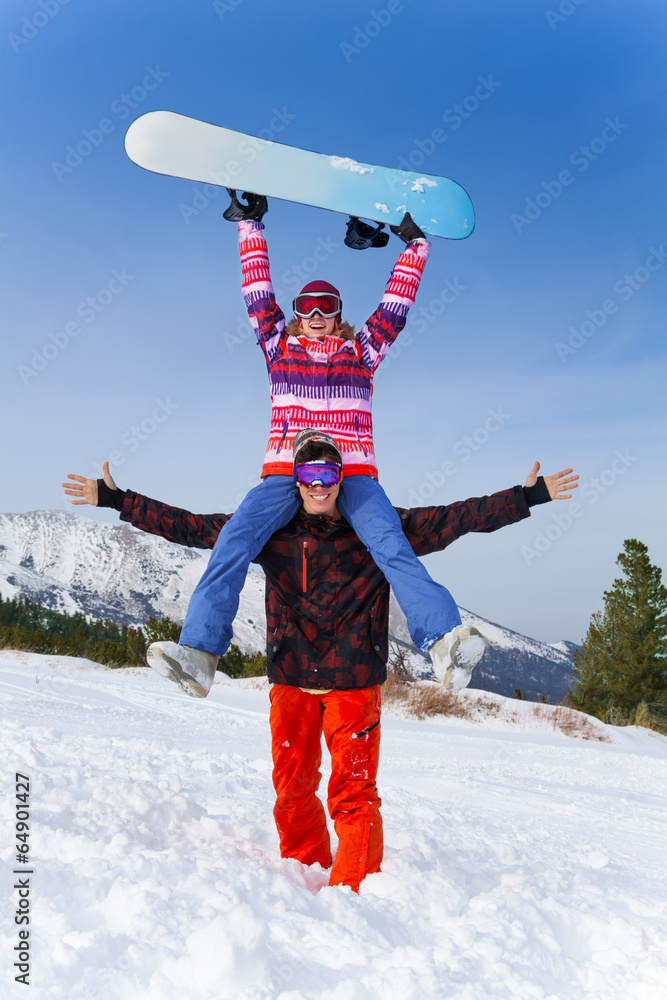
point(316, 327)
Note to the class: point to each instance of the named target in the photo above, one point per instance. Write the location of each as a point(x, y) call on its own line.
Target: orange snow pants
point(350, 721)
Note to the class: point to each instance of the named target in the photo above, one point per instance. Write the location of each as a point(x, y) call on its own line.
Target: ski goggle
point(326, 304)
point(323, 473)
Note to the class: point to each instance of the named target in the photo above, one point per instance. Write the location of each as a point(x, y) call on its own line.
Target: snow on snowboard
point(172, 144)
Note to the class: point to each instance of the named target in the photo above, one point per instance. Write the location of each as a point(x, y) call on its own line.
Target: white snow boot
point(192, 669)
point(455, 654)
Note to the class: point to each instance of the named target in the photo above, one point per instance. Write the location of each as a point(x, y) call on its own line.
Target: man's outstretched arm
point(431, 529)
point(198, 531)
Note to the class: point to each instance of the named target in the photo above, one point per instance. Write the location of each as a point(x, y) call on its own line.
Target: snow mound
point(513, 866)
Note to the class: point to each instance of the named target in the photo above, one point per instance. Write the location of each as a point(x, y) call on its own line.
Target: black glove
point(256, 208)
point(408, 229)
point(107, 497)
point(360, 236)
point(539, 493)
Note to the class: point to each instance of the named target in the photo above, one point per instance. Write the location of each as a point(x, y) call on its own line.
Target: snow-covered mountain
point(71, 563)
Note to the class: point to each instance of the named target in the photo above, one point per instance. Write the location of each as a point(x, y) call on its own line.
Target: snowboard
point(173, 144)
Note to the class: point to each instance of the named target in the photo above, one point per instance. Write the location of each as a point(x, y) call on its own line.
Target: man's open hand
point(86, 492)
point(556, 484)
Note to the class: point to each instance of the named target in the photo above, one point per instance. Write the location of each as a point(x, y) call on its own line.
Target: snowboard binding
point(360, 236)
point(256, 208)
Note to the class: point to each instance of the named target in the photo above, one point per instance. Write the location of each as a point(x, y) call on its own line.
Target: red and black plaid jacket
point(327, 603)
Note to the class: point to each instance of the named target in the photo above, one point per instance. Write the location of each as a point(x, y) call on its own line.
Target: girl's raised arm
point(380, 331)
point(265, 314)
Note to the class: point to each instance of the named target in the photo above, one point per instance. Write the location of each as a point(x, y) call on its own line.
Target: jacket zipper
point(282, 440)
point(304, 568)
point(356, 430)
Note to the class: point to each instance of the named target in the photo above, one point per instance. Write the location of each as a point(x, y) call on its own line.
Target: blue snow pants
point(429, 608)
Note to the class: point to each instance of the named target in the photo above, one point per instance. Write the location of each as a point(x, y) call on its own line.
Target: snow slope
point(116, 571)
point(520, 864)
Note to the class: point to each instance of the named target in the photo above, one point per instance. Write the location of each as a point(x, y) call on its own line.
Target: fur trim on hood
point(343, 330)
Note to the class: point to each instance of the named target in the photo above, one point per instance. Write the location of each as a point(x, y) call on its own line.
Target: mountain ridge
point(71, 563)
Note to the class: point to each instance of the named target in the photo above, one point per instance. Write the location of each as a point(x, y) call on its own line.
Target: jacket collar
point(320, 523)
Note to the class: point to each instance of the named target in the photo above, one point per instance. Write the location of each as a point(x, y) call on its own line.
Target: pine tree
point(157, 629)
point(592, 664)
point(24, 625)
point(623, 660)
point(235, 663)
point(135, 648)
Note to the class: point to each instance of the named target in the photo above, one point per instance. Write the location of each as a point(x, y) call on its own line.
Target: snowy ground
point(520, 864)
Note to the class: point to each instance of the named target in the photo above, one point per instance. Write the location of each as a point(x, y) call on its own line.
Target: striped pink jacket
point(326, 384)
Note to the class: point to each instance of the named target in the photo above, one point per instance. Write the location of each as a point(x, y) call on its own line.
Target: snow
point(345, 163)
point(520, 863)
point(423, 182)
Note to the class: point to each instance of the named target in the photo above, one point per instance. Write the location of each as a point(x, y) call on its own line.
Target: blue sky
point(552, 347)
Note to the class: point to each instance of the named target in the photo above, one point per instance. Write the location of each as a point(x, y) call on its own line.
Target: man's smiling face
point(320, 499)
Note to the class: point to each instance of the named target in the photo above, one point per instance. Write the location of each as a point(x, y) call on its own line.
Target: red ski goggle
point(324, 303)
point(320, 473)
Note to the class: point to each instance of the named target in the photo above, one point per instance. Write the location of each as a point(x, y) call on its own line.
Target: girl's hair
point(343, 330)
point(312, 451)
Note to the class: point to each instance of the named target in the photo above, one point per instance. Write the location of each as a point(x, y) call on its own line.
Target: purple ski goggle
point(324, 303)
point(323, 473)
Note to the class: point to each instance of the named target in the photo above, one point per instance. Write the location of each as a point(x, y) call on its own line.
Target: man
point(327, 607)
